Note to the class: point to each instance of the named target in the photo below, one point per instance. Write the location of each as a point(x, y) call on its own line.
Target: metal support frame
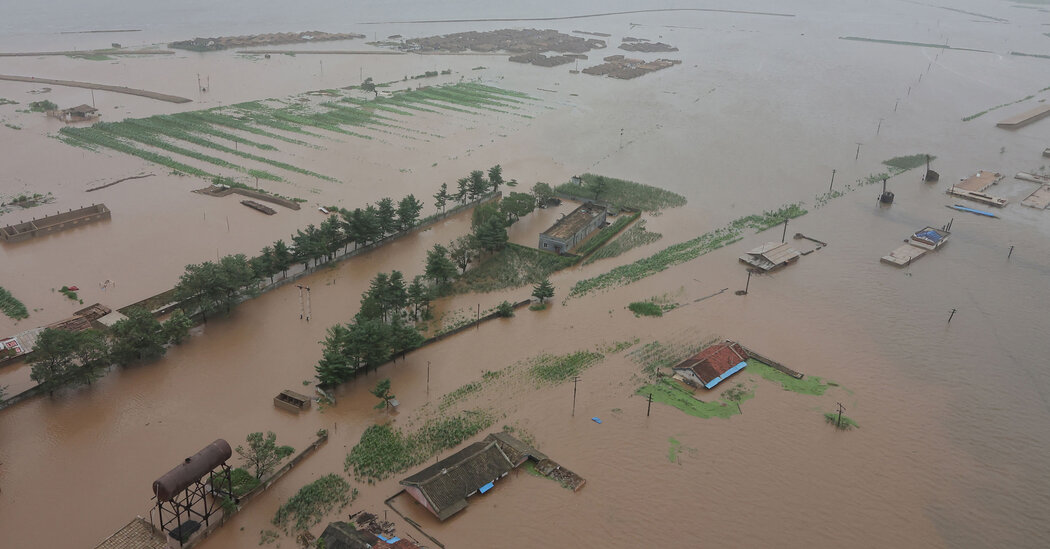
point(194, 496)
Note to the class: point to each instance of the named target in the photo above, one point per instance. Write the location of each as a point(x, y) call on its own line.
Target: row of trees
point(61, 357)
point(472, 187)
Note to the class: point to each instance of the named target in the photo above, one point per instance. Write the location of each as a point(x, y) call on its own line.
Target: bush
point(41, 106)
point(505, 309)
point(537, 306)
point(645, 308)
point(313, 501)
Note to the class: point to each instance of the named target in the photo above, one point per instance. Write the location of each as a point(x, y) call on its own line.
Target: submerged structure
point(713, 365)
point(184, 493)
point(924, 240)
point(972, 188)
point(771, 256)
point(572, 229)
point(54, 223)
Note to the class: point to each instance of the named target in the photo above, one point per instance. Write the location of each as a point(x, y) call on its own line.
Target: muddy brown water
point(953, 445)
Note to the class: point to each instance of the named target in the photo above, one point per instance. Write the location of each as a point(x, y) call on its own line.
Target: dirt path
point(91, 86)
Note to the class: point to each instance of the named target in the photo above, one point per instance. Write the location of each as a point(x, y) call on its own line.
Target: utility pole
point(650, 409)
point(895, 104)
point(1011, 252)
point(477, 325)
point(877, 130)
point(832, 181)
point(428, 379)
point(858, 153)
point(950, 316)
point(575, 380)
point(783, 237)
point(621, 138)
point(838, 422)
point(748, 285)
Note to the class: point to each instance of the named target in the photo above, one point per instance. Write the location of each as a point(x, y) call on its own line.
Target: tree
point(598, 186)
point(442, 197)
point(477, 185)
point(92, 354)
point(543, 290)
point(464, 249)
point(439, 267)
point(483, 213)
point(201, 286)
point(505, 309)
point(371, 229)
point(235, 275)
point(263, 454)
point(177, 327)
point(408, 212)
point(543, 193)
point(53, 357)
point(492, 235)
point(332, 236)
point(262, 264)
point(386, 215)
point(404, 337)
point(282, 257)
point(335, 365)
point(382, 392)
point(419, 297)
point(370, 86)
point(309, 245)
point(515, 205)
point(462, 189)
point(136, 338)
point(495, 177)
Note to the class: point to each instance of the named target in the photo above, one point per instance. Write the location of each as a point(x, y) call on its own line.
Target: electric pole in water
point(832, 181)
point(575, 380)
point(304, 305)
point(783, 237)
point(838, 422)
point(950, 316)
point(650, 409)
point(428, 378)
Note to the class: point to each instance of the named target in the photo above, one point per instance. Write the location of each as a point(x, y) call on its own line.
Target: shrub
point(645, 308)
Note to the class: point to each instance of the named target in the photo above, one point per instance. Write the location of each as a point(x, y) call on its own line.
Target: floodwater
point(953, 445)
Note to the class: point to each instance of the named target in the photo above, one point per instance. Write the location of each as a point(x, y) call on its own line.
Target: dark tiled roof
point(447, 483)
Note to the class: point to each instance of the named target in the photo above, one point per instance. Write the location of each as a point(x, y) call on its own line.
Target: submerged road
point(92, 86)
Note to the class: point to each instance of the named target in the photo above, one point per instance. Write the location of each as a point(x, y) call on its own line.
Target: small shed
point(713, 365)
point(572, 229)
point(80, 113)
point(929, 238)
point(292, 401)
point(771, 256)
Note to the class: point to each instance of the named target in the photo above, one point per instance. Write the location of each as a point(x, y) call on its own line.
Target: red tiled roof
point(714, 361)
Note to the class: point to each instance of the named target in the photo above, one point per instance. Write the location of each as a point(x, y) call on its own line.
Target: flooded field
point(953, 442)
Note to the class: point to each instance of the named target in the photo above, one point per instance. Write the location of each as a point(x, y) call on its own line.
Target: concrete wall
point(54, 223)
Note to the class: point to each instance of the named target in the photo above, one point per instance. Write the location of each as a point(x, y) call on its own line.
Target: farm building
point(713, 365)
point(82, 113)
point(570, 230)
point(771, 256)
point(343, 535)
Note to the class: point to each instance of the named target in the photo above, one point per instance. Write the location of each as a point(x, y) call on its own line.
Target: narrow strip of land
point(100, 30)
point(584, 16)
point(320, 52)
point(76, 53)
point(93, 86)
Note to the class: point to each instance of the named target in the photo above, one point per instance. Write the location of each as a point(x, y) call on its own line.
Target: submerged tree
point(544, 290)
point(263, 454)
point(382, 392)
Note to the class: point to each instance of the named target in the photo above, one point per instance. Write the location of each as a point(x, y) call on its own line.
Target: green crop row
point(11, 306)
point(603, 236)
point(85, 138)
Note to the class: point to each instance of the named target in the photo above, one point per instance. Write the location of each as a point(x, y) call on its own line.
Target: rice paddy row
point(169, 140)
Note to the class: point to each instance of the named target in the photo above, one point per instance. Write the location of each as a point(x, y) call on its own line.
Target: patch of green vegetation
point(42, 106)
point(12, 126)
point(537, 306)
point(385, 450)
point(807, 385)
point(630, 239)
point(621, 192)
point(460, 393)
point(655, 355)
point(668, 392)
point(645, 308)
point(312, 502)
point(603, 236)
point(6, 101)
point(11, 306)
point(676, 447)
point(844, 424)
point(511, 267)
point(904, 163)
point(684, 251)
point(92, 57)
point(617, 346)
point(555, 369)
point(64, 290)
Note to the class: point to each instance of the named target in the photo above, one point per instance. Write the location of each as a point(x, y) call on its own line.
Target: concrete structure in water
point(1025, 118)
point(572, 229)
point(81, 113)
point(54, 223)
point(972, 188)
point(922, 241)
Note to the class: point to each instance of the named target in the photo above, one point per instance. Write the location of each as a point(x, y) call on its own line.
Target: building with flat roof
point(572, 229)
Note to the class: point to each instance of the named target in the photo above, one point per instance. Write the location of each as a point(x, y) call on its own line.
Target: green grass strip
point(806, 386)
point(86, 139)
point(219, 119)
point(11, 306)
point(672, 394)
point(603, 236)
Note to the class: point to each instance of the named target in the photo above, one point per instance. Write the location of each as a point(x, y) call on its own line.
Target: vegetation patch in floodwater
point(902, 164)
point(630, 239)
point(555, 369)
point(312, 502)
point(809, 385)
point(622, 192)
point(645, 308)
point(11, 306)
point(606, 233)
point(841, 422)
point(668, 392)
point(6, 101)
point(384, 450)
point(511, 267)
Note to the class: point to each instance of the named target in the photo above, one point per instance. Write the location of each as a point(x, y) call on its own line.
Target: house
point(443, 488)
point(343, 535)
point(771, 256)
point(929, 238)
point(572, 229)
point(82, 113)
point(713, 365)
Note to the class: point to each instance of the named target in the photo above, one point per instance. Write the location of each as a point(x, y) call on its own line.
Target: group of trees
point(62, 357)
point(213, 287)
point(381, 329)
point(472, 187)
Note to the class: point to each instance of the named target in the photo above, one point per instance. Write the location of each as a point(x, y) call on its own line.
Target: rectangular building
point(572, 229)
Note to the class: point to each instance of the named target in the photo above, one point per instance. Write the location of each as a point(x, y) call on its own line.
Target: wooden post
point(748, 285)
point(1011, 252)
point(575, 380)
point(650, 409)
point(950, 316)
point(832, 181)
point(838, 422)
point(783, 237)
point(858, 152)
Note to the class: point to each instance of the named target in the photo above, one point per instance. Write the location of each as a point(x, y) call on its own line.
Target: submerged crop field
point(245, 137)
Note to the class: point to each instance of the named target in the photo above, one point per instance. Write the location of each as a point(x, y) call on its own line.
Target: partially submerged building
point(80, 113)
point(922, 241)
point(343, 535)
point(443, 488)
point(771, 256)
point(572, 229)
point(713, 365)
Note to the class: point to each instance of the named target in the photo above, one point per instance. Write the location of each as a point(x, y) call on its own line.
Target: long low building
point(771, 256)
point(572, 229)
point(54, 223)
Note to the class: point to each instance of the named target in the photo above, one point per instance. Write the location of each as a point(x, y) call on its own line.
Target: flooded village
point(460, 275)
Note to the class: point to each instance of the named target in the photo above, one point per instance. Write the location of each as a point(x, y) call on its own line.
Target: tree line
point(62, 357)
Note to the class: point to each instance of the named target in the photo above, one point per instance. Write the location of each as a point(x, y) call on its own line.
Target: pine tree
point(544, 290)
